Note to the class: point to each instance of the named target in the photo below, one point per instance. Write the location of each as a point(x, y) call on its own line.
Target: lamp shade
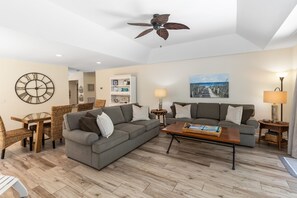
point(281, 74)
point(160, 92)
point(277, 97)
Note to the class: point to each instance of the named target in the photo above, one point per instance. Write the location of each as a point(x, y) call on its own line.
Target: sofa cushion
point(149, 124)
point(89, 124)
point(193, 108)
point(206, 121)
point(115, 114)
point(224, 108)
point(234, 114)
point(94, 112)
point(132, 129)
point(115, 139)
point(174, 120)
point(182, 111)
point(243, 129)
point(208, 110)
point(140, 113)
point(72, 120)
point(127, 112)
point(246, 115)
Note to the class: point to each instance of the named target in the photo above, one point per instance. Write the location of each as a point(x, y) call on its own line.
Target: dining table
point(38, 119)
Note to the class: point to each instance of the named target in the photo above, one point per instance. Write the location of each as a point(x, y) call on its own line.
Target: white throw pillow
point(105, 125)
point(140, 113)
point(182, 111)
point(234, 114)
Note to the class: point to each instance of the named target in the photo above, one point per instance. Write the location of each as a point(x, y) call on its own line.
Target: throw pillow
point(247, 113)
point(172, 107)
point(88, 114)
point(140, 113)
point(105, 125)
point(234, 114)
point(89, 124)
point(182, 111)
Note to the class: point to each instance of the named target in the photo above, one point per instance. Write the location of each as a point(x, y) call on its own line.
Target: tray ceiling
point(86, 32)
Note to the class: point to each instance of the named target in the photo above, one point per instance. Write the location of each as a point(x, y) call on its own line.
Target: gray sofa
point(215, 114)
point(98, 151)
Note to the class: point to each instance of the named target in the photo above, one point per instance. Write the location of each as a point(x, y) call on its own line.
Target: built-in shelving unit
point(122, 89)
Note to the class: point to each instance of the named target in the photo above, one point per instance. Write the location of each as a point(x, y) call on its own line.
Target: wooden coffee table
point(229, 137)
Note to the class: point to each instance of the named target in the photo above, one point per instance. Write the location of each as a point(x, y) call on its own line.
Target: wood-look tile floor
point(192, 169)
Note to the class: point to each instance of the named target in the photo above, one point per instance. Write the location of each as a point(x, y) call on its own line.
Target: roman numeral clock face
point(34, 88)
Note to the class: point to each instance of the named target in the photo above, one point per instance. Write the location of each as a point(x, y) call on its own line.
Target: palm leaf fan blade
point(175, 26)
point(140, 24)
point(163, 33)
point(144, 33)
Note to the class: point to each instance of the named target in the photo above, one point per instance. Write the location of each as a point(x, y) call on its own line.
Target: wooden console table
point(279, 128)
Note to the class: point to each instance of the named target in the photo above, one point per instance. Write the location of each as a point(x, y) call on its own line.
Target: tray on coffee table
point(202, 129)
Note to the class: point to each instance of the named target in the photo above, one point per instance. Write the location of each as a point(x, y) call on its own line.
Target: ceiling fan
point(159, 23)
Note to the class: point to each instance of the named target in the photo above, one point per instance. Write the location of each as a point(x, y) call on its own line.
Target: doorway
point(73, 92)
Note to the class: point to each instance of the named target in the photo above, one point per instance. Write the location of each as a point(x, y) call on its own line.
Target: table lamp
point(281, 76)
point(275, 97)
point(160, 93)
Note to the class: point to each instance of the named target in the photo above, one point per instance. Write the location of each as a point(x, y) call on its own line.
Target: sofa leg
point(54, 145)
point(3, 154)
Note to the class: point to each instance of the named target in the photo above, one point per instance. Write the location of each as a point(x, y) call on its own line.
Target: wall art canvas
point(209, 86)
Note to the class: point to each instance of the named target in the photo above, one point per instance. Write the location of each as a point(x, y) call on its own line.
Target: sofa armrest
point(81, 137)
point(152, 116)
point(252, 122)
point(169, 115)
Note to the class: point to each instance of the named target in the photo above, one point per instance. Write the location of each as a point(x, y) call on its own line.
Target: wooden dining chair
point(99, 103)
point(8, 138)
point(55, 128)
point(85, 106)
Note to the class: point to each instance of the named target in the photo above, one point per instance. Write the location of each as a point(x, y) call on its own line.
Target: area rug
point(290, 164)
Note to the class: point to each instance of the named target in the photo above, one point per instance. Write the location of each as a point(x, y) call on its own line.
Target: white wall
point(79, 76)
point(250, 74)
point(84, 78)
point(10, 104)
point(89, 78)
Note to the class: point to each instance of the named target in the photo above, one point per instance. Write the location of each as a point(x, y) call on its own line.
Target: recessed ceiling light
point(58, 55)
point(98, 62)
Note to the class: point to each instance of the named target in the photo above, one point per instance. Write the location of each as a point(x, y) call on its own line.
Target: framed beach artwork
point(209, 86)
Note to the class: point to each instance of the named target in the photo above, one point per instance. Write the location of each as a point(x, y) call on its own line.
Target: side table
point(279, 128)
point(160, 112)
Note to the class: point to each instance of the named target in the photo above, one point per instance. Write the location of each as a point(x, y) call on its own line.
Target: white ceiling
point(87, 31)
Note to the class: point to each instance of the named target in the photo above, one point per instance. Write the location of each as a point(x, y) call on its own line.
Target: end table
point(278, 127)
point(160, 112)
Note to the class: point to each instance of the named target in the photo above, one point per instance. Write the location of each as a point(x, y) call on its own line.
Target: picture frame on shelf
point(115, 82)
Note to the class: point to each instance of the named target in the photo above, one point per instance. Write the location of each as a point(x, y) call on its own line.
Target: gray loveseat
point(215, 114)
point(98, 151)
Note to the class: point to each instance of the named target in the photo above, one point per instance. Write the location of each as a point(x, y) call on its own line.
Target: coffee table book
point(202, 129)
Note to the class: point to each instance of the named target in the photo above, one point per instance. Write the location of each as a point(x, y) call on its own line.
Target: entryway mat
point(290, 164)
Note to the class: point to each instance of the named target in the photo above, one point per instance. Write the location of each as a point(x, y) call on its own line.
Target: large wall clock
point(34, 88)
